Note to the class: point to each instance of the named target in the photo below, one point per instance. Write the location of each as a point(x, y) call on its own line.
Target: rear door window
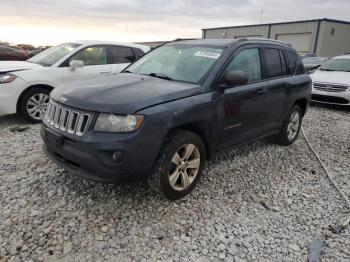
point(283, 62)
point(121, 55)
point(274, 61)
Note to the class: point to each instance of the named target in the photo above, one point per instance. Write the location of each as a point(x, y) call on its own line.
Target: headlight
point(118, 123)
point(8, 78)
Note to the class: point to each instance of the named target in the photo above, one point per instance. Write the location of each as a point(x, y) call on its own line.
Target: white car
point(25, 86)
point(331, 82)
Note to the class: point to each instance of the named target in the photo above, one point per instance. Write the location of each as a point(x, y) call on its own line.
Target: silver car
point(331, 82)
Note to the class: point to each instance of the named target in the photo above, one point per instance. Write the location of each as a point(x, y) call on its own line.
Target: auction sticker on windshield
point(207, 54)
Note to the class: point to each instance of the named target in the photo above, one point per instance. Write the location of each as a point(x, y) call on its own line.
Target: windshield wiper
point(127, 71)
point(162, 76)
point(329, 70)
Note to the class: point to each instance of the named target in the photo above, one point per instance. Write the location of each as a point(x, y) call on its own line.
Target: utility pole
point(261, 15)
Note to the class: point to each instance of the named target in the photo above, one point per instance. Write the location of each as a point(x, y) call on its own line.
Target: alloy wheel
point(293, 126)
point(37, 105)
point(184, 167)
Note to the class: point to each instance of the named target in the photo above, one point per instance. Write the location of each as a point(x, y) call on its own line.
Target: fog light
point(117, 156)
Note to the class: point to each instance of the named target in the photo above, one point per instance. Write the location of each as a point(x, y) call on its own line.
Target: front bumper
point(91, 156)
point(9, 94)
point(334, 98)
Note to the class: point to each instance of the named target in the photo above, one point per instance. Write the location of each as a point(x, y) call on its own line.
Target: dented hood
point(124, 94)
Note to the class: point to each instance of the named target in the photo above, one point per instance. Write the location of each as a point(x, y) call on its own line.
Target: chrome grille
point(67, 119)
point(330, 87)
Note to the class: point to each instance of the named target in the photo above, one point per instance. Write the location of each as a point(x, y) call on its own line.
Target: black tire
point(25, 99)
point(282, 138)
point(159, 179)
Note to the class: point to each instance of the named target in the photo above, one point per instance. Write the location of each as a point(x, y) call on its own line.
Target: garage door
point(301, 42)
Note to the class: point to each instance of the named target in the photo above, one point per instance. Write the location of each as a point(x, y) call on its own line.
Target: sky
point(50, 22)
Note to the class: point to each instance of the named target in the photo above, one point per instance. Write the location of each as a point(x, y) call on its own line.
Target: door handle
point(104, 72)
point(261, 91)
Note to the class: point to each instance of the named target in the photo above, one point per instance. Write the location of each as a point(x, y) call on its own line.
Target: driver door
point(95, 61)
point(243, 107)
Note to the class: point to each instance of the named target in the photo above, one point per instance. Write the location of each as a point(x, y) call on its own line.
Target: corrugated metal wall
point(237, 32)
point(334, 39)
point(263, 31)
point(297, 28)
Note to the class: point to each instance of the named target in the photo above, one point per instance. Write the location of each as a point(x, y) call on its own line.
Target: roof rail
point(263, 39)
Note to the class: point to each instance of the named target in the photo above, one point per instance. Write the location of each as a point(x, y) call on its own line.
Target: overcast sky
point(42, 22)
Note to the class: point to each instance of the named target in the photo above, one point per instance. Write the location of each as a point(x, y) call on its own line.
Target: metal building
point(321, 37)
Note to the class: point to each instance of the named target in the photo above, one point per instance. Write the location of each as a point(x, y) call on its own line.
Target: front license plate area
point(53, 140)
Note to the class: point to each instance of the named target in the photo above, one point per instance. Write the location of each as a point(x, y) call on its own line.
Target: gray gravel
point(260, 202)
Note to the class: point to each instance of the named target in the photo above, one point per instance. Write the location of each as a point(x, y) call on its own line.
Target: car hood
point(123, 94)
point(10, 66)
point(311, 66)
point(331, 77)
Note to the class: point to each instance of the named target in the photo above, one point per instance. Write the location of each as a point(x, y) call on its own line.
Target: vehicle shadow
point(345, 109)
point(11, 120)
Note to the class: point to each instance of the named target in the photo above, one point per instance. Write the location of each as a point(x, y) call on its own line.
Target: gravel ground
point(260, 202)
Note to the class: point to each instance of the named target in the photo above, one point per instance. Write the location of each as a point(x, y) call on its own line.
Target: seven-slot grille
point(67, 119)
point(330, 87)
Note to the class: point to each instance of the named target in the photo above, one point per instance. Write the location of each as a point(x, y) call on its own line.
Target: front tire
point(291, 127)
point(34, 103)
point(179, 166)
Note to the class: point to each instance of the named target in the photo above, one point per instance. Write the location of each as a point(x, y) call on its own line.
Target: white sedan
point(25, 86)
point(331, 82)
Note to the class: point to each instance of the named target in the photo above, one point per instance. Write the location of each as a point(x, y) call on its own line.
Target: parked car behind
point(25, 86)
point(164, 115)
point(331, 82)
point(12, 54)
point(312, 63)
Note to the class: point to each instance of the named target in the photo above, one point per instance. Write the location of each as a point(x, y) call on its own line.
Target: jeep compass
point(172, 109)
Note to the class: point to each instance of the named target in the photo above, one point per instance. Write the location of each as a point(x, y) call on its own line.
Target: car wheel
point(291, 127)
point(179, 166)
point(34, 103)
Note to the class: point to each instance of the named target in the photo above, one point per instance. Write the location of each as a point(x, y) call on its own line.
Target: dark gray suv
point(168, 112)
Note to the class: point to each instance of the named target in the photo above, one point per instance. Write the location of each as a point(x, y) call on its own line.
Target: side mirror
point(235, 78)
point(76, 64)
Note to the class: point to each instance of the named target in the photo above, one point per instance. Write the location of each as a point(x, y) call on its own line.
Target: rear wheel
point(34, 103)
point(291, 127)
point(179, 166)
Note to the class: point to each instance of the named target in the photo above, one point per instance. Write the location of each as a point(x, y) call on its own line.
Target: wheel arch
point(18, 106)
point(200, 128)
point(302, 102)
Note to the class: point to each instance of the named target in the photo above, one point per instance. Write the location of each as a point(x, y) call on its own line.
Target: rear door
point(278, 86)
point(120, 57)
point(241, 112)
point(96, 65)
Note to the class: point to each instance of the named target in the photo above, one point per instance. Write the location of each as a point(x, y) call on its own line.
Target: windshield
point(177, 62)
point(53, 54)
point(313, 61)
point(337, 64)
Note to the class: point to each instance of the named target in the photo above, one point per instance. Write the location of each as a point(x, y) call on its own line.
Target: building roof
point(281, 23)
